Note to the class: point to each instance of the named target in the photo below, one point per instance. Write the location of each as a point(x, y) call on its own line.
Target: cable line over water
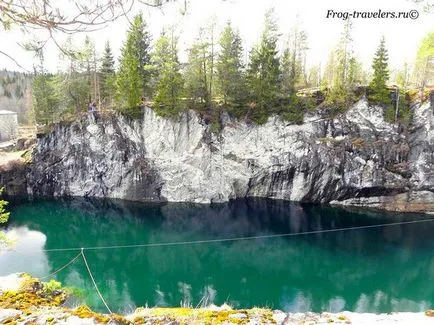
point(93, 280)
point(222, 240)
point(81, 250)
point(62, 268)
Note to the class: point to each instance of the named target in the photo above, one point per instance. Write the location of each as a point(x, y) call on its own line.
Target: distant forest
point(15, 94)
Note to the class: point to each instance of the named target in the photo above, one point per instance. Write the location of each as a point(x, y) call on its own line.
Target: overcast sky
point(402, 35)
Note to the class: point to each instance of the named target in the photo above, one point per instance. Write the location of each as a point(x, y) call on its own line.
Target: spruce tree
point(379, 93)
point(198, 71)
point(230, 78)
point(133, 82)
point(264, 72)
point(107, 73)
point(169, 83)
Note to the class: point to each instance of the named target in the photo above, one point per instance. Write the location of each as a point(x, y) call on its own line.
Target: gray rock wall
point(356, 156)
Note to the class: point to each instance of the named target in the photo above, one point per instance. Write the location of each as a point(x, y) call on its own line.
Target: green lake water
point(372, 270)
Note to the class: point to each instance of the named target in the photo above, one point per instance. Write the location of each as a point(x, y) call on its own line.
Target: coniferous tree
point(314, 77)
point(86, 60)
point(230, 76)
point(170, 82)
point(45, 103)
point(198, 72)
point(329, 70)
point(107, 75)
point(133, 81)
point(293, 62)
point(74, 86)
point(340, 87)
point(343, 72)
point(379, 93)
point(402, 77)
point(264, 72)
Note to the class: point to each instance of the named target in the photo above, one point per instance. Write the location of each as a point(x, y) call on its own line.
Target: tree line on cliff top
point(217, 78)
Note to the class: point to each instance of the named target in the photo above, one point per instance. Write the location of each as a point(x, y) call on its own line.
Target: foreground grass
point(27, 300)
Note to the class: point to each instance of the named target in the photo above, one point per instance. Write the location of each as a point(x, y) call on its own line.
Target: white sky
point(402, 35)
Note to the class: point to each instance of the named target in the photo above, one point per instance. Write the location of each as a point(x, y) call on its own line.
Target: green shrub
point(4, 215)
point(51, 286)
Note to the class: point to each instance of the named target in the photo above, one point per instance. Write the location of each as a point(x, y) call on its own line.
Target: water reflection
point(376, 270)
point(18, 256)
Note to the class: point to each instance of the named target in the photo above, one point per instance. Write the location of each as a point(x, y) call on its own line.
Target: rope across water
point(222, 240)
point(192, 242)
point(93, 280)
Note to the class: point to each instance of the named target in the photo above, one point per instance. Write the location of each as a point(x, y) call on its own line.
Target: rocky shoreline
point(27, 300)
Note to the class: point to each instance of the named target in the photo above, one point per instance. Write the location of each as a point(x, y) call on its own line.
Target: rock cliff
point(356, 159)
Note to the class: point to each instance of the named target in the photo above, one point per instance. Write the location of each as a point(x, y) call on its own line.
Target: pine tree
point(379, 93)
point(74, 87)
point(290, 73)
point(344, 54)
point(402, 77)
point(199, 72)
point(45, 103)
point(293, 62)
point(107, 75)
point(343, 72)
point(230, 77)
point(329, 71)
point(264, 72)
point(86, 59)
point(314, 77)
point(170, 83)
point(133, 81)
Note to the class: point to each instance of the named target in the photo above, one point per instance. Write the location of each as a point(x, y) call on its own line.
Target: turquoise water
point(372, 270)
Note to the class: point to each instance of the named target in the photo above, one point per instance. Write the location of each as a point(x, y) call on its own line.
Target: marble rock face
point(356, 159)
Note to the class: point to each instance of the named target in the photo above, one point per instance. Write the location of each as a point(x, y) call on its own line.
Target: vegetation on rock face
point(37, 301)
point(203, 316)
point(4, 215)
point(32, 293)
